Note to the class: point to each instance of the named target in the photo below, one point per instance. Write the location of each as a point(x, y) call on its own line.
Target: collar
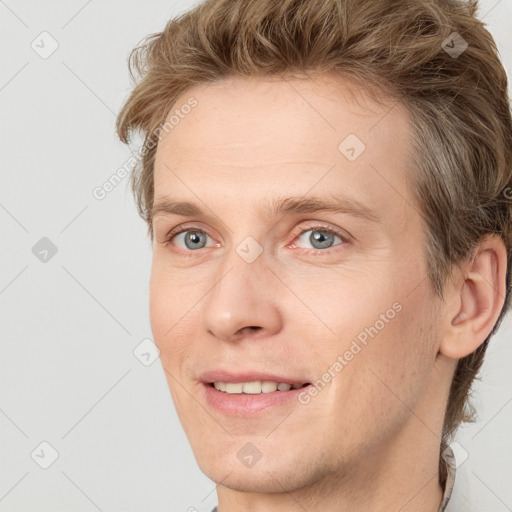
point(449, 458)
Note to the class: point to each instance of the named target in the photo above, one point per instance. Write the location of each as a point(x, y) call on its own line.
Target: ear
point(474, 298)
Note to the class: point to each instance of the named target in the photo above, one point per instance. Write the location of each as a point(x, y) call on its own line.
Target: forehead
point(239, 111)
point(244, 132)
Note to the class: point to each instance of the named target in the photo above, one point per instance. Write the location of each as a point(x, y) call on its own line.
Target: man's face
point(257, 294)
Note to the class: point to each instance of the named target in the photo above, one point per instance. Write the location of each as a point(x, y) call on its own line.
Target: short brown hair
point(459, 107)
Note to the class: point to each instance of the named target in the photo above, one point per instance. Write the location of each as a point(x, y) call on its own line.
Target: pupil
point(319, 237)
point(193, 237)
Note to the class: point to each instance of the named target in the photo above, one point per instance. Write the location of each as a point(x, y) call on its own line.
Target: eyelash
point(322, 228)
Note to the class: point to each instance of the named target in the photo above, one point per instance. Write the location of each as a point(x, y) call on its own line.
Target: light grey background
point(69, 325)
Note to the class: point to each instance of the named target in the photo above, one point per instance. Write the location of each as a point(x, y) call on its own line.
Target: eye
point(190, 239)
point(320, 237)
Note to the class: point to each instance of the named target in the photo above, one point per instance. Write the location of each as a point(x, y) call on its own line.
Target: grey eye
point(194, 239)
point(320, 238)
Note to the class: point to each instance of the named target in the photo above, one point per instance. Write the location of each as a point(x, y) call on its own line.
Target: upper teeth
point(253, 388)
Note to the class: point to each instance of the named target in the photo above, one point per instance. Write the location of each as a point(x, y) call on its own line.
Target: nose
point(243, 301)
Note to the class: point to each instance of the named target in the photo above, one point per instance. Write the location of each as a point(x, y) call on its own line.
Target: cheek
point(384, 344)
point(359, 306)
point(168, 308)
point(168, 325)
point(387, 377)
point(161, 305)
point(175, 316)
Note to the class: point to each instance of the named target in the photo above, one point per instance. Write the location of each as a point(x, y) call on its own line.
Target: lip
point(246, 405)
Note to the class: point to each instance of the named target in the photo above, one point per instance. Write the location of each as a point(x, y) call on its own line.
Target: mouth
point(249, 395)
point(255, 387)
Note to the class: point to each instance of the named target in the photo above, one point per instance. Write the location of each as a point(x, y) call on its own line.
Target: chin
point(250, 480)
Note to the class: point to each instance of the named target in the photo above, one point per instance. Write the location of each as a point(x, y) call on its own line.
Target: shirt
point(446, 504)
point(450, 479)
point(461, 497)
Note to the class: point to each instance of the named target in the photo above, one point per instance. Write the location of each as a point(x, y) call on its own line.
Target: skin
point(370, 439)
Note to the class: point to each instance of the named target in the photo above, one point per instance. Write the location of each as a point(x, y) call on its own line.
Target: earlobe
point(475, 301)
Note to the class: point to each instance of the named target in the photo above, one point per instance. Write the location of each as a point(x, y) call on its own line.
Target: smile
point(255, 387)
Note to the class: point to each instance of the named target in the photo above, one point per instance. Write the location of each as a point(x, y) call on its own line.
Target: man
point(327, 188)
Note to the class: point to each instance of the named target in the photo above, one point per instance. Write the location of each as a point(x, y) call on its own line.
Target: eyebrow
point(275, 207)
